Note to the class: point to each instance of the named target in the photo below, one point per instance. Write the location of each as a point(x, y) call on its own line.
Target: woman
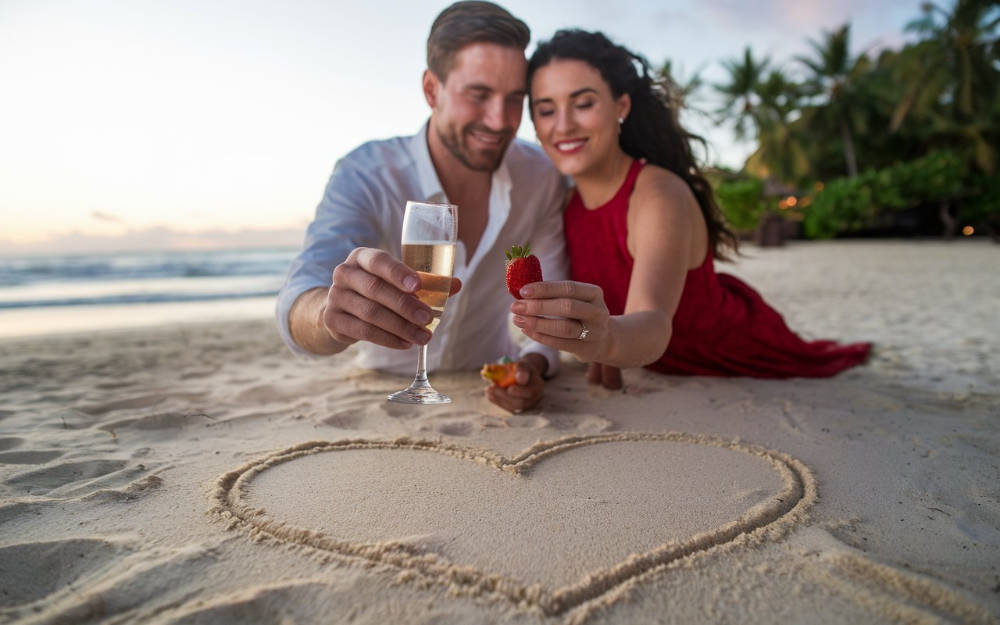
point(643, 230)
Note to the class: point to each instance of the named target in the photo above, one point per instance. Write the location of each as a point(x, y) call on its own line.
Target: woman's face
point(575, 115)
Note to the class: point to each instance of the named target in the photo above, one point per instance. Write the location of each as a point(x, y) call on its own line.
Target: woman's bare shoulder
point(658, 186)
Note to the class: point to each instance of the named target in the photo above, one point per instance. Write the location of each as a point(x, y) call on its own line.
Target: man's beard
point(475, 160)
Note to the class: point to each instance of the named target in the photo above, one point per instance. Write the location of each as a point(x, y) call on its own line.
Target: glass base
point(419, 395)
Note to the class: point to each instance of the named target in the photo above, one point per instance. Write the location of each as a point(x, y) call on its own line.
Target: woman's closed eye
point(544, 112)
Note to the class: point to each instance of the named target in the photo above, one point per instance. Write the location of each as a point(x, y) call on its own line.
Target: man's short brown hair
point(467, 22)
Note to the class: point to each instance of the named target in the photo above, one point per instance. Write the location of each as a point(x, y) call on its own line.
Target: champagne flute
point(429, 235)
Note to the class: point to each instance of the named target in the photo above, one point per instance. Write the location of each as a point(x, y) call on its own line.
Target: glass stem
point(420, 380)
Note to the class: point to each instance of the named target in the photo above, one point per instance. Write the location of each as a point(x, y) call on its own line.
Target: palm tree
point(740, 93)
point(836, 86)
point(958, 56)
point(682, 91)
point(780, 149)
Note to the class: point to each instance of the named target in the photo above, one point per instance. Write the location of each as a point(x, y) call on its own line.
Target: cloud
point(781, 15)
point(107, 217)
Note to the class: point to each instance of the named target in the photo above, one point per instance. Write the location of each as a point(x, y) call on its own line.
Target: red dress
point(722, 327)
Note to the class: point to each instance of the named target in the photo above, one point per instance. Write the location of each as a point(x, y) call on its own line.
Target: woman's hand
point(569, 316)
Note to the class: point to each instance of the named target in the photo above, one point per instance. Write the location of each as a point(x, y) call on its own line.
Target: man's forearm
point(306, 327)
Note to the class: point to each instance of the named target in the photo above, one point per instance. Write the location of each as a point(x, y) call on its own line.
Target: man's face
point(477, 110)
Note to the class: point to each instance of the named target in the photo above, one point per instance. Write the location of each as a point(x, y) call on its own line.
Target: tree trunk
point(852, 162)
point(949, 222)
point(770, 231)
point(965, 84)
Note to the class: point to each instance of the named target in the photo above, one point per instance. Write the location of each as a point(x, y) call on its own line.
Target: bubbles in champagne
point(434, 261)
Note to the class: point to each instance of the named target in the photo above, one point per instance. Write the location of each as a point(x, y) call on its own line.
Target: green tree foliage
point(742, 202)
point(839, 92)
point(740, 95)
point(913, 130)
point(959, 53)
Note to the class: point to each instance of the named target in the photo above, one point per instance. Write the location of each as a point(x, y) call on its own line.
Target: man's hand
point(373, 298)
point(527, 391)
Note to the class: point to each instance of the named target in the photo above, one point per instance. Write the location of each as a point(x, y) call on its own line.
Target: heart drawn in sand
point(471, 525)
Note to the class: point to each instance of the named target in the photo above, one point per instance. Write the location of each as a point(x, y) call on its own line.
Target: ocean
point(80, 292)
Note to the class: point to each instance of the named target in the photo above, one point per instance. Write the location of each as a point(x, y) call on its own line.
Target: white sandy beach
point(200, 473)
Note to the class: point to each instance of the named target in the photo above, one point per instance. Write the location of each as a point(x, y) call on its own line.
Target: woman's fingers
point(568, 308)
point(569, 316)
point(562, 310)
point(556, 328)
point(562, 289)
point(585, 349)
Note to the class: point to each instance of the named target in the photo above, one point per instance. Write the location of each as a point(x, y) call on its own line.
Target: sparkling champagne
point(434, 261)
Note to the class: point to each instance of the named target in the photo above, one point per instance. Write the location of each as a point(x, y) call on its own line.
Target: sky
point(187, 123)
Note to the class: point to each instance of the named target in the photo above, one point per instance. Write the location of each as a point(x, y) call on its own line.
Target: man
point(347, 284)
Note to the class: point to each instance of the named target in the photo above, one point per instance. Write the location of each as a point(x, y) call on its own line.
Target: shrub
point(982, 209)
point(871, 198)
point(741, 202)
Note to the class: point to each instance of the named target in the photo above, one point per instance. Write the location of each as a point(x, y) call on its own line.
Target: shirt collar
point(430, 185)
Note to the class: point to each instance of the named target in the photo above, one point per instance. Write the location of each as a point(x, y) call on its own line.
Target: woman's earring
point(621, 120)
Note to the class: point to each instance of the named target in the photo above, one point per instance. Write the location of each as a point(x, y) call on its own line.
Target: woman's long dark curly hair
point(652, 130)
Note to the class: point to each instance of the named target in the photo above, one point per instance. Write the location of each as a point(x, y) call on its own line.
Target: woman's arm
point(665, 241)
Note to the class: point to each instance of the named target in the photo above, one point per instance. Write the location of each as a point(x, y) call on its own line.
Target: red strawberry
point(522, 268)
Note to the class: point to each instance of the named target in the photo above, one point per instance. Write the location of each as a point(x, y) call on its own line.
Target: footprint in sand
point(159, 421)
point(895, 595)
point(344, 421)
point(361, 406)
point(14, 510)
point(132, 491)
point(70, 419)
point(139, 402)
point(456, 428)
point(300, 601)
point(85, 579)
point(34, 570)
point(281, 393)
point(29, 457)
point(264, 394)
point(75, 477)
point(10, 442)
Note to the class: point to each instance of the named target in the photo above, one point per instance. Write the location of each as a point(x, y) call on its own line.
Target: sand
point(201, 474)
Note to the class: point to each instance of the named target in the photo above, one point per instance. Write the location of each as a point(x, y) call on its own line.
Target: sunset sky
point(185, 122)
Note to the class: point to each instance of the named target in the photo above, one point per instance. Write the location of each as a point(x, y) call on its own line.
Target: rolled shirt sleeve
point(345, 219)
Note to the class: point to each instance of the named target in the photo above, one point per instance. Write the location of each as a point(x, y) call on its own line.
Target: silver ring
point(584, 332)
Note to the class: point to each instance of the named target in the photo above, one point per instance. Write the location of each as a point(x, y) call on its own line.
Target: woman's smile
point(570, 146)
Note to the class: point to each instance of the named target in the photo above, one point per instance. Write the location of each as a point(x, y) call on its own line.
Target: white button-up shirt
point(363, 207)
